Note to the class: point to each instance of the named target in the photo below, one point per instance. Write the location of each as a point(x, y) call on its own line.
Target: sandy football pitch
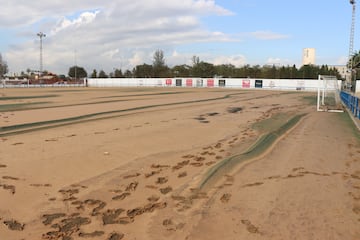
point(175, 163)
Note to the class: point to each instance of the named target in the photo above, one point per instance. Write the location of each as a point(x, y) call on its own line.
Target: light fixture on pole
point(41, 35)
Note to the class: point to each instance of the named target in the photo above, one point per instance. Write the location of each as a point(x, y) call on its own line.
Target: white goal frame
point(328, 85)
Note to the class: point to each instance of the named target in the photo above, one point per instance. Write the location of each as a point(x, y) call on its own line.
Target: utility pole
point(41, 35)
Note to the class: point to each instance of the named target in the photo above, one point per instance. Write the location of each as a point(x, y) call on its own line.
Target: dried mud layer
point(130, 164)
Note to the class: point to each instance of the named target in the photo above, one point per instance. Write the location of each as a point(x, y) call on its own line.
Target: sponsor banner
point(210, 82)
point(272, 84)
point(246, 83)
point(258, 83)
point(300, 85)
point(168, 82)
point(189, 82)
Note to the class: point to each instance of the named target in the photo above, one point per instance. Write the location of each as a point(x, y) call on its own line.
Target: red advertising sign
point(210, 82)
point(189, 82)
point(168, 81)
point(246, 83)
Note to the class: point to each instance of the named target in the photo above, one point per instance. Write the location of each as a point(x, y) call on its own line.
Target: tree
point(143, 71)
point(159, 67)
point(77, 72)
point(203, 69)
point(94, 74)
point(195, 60)
point(158, 59)
point(181, 71)
point(118, 73)
point(3, 67)
point(102, 74)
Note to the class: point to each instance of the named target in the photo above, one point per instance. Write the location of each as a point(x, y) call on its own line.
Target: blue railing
point(351, 102)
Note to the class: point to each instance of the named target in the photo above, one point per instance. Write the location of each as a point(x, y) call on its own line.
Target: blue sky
point(104, 35)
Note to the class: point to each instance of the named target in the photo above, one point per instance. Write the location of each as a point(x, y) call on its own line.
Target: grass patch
point(310, 100)
point(27, 97)
point(34, 126)
point(274, 122)
point(19, 106)
point(347, 120)
point(260, 146)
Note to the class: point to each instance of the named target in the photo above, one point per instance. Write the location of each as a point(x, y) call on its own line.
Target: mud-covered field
point(175, 163)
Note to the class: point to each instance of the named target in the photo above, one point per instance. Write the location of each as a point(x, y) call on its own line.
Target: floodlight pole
point(351, 45)
point(41, 35)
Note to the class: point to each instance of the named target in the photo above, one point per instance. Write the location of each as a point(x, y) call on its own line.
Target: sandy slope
point(137, 172)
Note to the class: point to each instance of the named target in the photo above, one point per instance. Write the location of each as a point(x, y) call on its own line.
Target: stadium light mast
point(351, 45)
point(41, 35)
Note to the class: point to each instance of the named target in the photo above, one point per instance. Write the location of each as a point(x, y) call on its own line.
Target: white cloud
point(237, 61)
point(63, 23)
point(268, 35)
point(278, 62)
point(105, 34)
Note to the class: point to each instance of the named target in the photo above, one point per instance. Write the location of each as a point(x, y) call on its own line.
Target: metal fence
point(351, 102)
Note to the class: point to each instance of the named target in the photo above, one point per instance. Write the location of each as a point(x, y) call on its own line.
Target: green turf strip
point(27, 127)
point(28, 97)
point(259, 147)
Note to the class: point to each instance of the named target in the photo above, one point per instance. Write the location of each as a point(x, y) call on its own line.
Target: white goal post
point(328, 97)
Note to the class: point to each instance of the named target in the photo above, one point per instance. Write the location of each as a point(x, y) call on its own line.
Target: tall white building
point(308, 56)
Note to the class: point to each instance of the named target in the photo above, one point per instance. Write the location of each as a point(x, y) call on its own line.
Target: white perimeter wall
point(243, 83)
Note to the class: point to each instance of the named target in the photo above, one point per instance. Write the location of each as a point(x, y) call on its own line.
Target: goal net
point(328, 97)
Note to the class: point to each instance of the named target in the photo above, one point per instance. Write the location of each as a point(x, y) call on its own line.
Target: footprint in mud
point(250, 227)
point(131, 175)
point(182, 174)
point(131, 187)
point(225, 198)
point(218, 145)
point(152, 173)
point(153, 198)
point(3, 166)
point(121, 196)
point(210, 163)
point(14, 225)
point(180, 165)
point(197, 164)
point(356, 198)
point(356, 209)
point(112, 216)
point(171, 225)
point(273, 177)
point(67, 227)
point(150, 207)
point(51, 140)
point(162, 180)
point(10, 178)
point(68, 194)
point(71, 135)
point(116, 236)
point(40, 185)
point(91, 235)
point(49, 218)
point(17, 143)
point(11, 188)
point(253, 184)
point(166, 190)
point(159, 166)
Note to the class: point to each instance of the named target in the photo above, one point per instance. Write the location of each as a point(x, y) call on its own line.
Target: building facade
point(308, 56)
